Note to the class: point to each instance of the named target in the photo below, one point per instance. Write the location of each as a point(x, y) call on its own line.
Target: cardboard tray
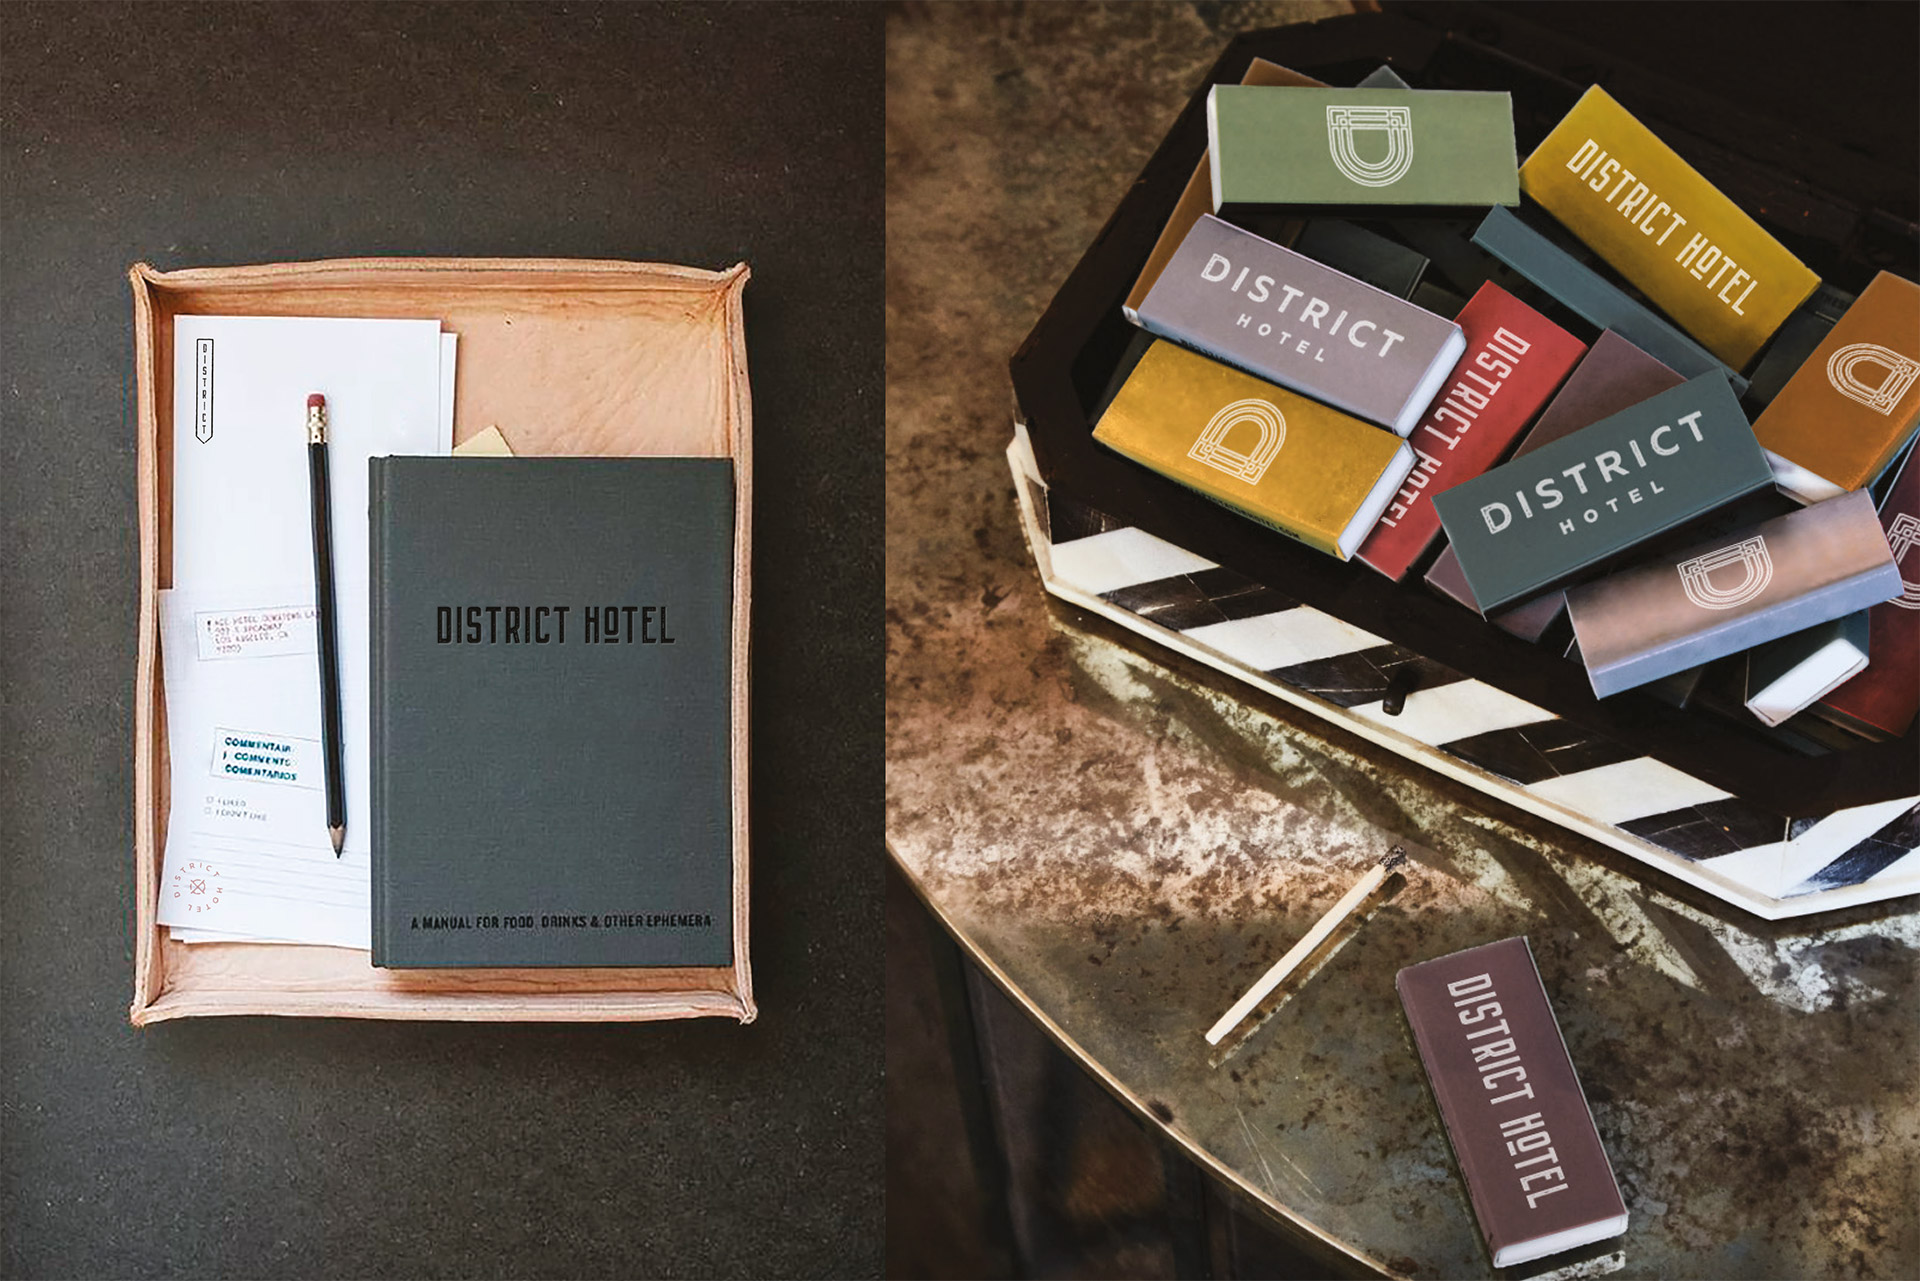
point(567, 357)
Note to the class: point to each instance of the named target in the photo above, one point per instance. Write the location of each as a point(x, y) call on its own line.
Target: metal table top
point(1126, 841)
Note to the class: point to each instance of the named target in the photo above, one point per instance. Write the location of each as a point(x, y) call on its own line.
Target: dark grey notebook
point(552, 711)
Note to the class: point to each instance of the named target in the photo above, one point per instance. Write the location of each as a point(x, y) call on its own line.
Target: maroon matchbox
point(1519, 1124)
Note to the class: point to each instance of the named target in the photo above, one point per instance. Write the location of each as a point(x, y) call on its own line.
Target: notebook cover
point(1518, 1122)
point(1289, 320)
point(1855, 402)
point(1693, 252)
point(1883, 699)
point(1286, 461)
point(1335, 147)
point(1732, 592)
point(1569, 506)
point(1612, 376)
point(551, 789)
point(1595, 300)
point(1515, 359)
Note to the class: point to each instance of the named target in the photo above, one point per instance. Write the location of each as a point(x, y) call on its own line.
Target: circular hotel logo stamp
point(196, 886)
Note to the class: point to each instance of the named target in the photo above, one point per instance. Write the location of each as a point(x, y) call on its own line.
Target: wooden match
point(1313, 938)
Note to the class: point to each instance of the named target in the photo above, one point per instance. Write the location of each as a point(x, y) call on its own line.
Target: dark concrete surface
point(194, 136)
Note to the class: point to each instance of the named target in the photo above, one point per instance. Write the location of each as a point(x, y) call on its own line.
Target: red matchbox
point(1516, 358)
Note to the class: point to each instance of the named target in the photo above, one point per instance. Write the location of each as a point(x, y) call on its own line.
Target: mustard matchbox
point(1695, 254)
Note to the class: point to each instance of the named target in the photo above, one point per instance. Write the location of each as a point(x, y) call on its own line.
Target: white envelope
point(240, 508)
point(237, 632)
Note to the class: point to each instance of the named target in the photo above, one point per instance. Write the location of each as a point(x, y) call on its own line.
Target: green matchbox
point(1334, 148)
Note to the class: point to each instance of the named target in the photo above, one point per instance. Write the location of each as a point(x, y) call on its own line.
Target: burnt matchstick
point(1313, 938)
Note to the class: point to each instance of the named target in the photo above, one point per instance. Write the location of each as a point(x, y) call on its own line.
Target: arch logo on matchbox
point(1395, 122)
point(1903, 535)
point(1212, 447)
point(1896, 375)
point(1756, 571)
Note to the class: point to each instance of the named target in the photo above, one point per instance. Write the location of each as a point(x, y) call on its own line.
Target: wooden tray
point(567, 357)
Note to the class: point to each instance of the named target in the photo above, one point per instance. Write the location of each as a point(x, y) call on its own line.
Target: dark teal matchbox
point(1592, 297)
point(1547, 516)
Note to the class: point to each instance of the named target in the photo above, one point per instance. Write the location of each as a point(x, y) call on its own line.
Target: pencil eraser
point(316, 401)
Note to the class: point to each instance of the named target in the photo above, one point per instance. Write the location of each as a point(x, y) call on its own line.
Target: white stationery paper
point(449, 359)
point(247, 848)
point(242, 680)
point(240, 509)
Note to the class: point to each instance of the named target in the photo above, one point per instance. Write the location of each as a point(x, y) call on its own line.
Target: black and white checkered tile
point(1773, 864)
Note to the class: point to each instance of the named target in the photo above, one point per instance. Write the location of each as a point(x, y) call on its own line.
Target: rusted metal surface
point(1128, 841)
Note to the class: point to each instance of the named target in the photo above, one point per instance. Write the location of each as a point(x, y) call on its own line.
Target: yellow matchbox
point(1310, 472)
point(1692, 251)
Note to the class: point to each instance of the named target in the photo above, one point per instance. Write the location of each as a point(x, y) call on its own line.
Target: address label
point(255, 633)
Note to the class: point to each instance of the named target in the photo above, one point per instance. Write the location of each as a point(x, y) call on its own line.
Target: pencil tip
point(339, 835)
